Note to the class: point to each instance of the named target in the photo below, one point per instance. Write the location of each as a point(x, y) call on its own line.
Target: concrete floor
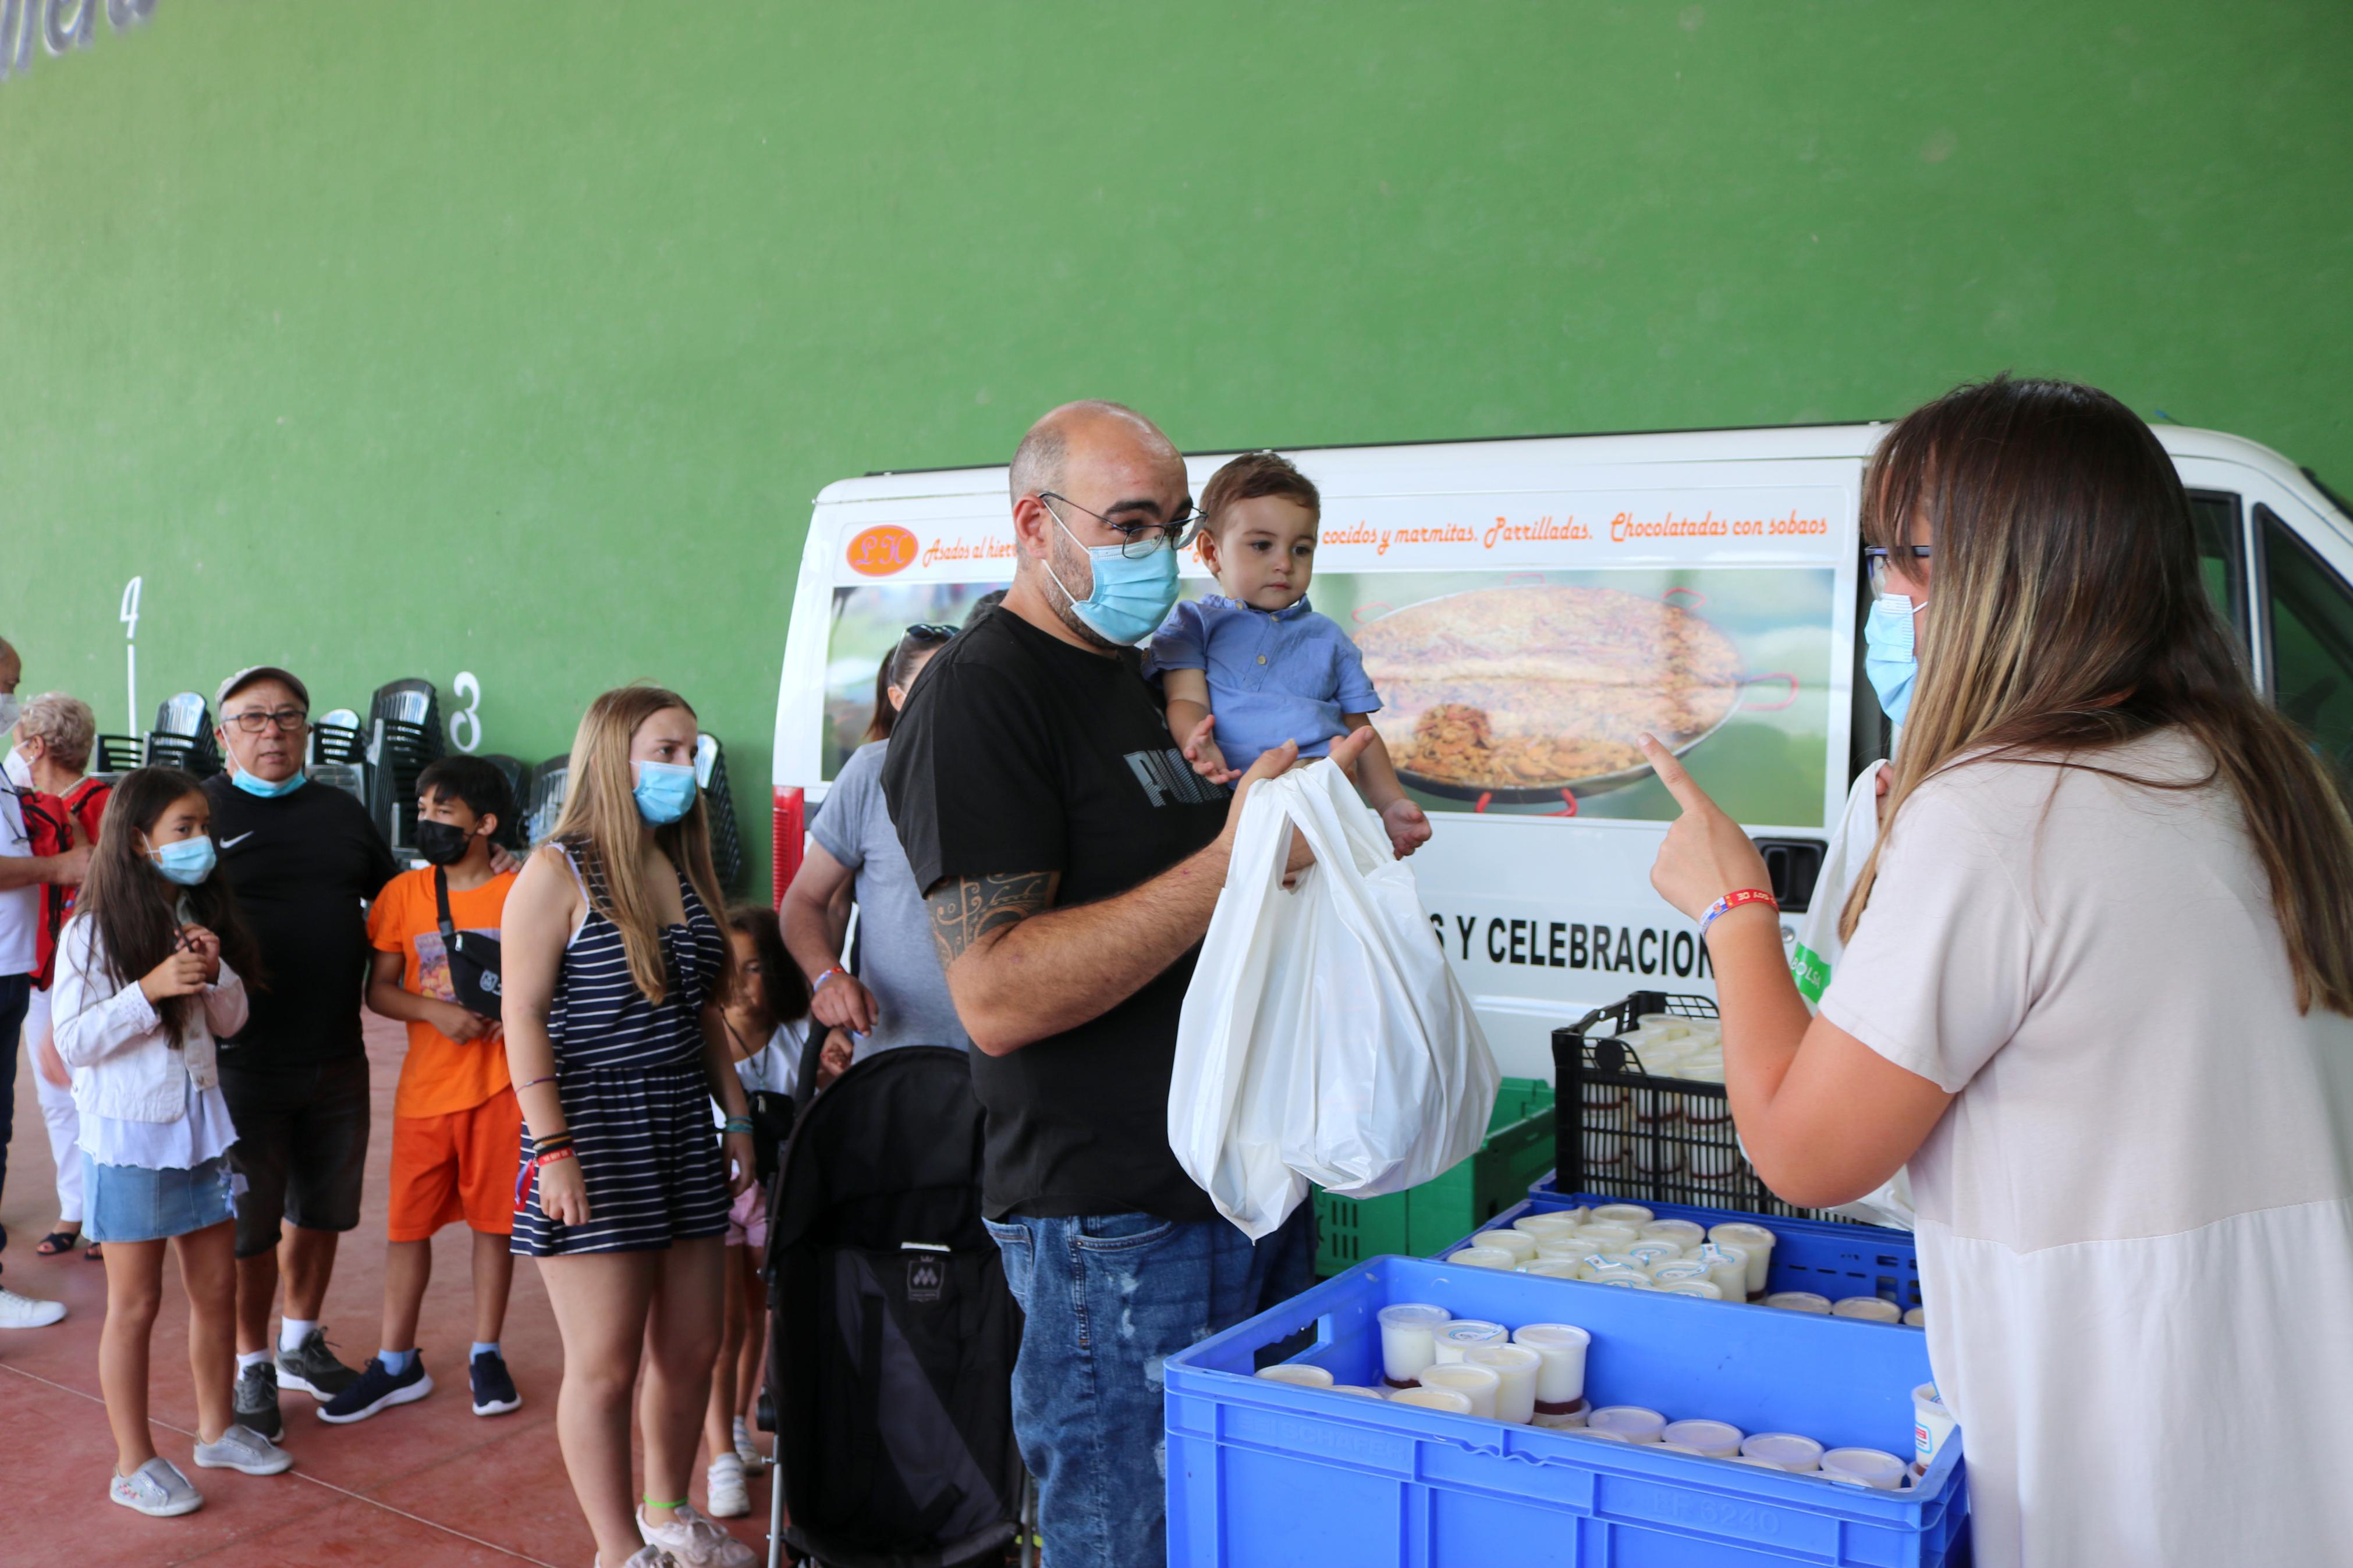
point(429, 1483)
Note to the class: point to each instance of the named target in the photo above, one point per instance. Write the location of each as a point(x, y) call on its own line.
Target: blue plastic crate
point(1830, 1259)
point(1269, 1475)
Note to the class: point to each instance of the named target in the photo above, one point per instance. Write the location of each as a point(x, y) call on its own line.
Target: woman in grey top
point(898, 997)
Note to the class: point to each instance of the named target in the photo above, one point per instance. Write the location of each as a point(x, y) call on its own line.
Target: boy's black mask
point(442, 843)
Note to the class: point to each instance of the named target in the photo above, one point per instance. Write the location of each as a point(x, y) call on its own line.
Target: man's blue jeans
point(1107, 1299)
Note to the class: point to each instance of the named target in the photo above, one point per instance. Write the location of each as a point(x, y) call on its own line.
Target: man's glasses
point(1875, 559)
point(930, 631)
point(1138, 539)
point(254, 720)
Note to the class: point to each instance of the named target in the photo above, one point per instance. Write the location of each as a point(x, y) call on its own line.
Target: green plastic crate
point(1419, 1221)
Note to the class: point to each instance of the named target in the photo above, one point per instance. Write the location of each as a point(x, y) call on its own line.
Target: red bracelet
point(523, 1177)
point(1731, 901)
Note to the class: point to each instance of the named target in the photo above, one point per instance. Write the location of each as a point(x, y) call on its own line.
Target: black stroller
point(892, 1337)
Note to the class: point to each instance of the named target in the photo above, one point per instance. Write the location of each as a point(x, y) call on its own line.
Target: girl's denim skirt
point(131, 1202)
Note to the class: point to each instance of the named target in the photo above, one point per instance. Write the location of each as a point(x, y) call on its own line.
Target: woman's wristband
point(738, 1124)
point(1733, 900)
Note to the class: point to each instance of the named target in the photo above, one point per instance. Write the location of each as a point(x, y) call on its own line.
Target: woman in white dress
point(2096, 992)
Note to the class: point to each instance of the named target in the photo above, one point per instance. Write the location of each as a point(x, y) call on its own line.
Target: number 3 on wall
point(471, 736)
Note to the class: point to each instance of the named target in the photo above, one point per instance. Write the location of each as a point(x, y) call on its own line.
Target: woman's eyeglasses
point(1875, 560)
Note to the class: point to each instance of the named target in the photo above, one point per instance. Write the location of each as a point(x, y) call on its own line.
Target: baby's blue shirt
point(1285, 675)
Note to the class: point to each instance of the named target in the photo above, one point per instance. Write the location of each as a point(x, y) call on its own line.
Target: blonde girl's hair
point(601, 825)
point(2066, 616)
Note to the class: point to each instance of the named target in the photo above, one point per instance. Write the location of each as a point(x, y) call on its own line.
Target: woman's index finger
point(1672, 774)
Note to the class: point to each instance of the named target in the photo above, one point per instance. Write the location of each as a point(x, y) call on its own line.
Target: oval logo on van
point(882, 550)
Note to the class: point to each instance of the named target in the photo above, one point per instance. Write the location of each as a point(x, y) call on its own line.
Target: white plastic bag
point(1819, 947)
point(1324, 1038)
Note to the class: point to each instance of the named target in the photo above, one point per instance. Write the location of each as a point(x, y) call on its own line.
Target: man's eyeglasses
point(1138, 539)
point(930, 631)
point(253, 722)
point(1875, 559)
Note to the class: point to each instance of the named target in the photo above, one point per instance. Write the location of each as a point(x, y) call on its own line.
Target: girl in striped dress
point(614, 968)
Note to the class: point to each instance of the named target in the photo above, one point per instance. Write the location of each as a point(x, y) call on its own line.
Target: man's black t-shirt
point(301, 865)
point(1017, 753)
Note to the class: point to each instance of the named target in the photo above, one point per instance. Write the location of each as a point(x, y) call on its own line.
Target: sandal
point(94, 1252)
point(58, 1242)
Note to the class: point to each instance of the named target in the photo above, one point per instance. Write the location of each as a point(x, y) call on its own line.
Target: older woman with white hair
point(55, 734)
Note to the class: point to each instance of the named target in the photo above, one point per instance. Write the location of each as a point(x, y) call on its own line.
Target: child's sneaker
point(257, 1401)
point(729, 1497)
point(695, 1541)
point(378, 1388)
point(494, 1389)
point(156, 1487)
point(748, 1450)
point(242, 1449)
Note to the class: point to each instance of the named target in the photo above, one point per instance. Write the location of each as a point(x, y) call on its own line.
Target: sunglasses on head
point(930, 631)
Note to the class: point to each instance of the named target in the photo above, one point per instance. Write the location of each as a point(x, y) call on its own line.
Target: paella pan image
point(1540, 691)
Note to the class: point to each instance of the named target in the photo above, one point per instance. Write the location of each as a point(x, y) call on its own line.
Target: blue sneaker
point(494, 1389)
point(377, 1389)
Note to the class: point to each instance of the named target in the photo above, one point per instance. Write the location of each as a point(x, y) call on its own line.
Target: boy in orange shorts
point(456, 1129)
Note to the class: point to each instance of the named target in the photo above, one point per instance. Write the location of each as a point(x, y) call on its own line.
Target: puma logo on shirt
point(1166, 776)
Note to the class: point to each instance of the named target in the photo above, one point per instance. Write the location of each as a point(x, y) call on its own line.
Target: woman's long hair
point(601, 825)
point(2066, 616)
point(899, 669)
point(136, 911)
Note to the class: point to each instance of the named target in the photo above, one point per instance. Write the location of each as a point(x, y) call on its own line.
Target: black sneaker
point(257, 1401)
point(376, 1389)
point(312, 1368)
point(494, 1389)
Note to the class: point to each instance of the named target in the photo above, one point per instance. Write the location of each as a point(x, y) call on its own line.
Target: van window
point(2310, 616)
point(868, 622)
point(2221, 555)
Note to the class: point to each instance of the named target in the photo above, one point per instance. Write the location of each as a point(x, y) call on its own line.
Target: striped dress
point(630, 1073)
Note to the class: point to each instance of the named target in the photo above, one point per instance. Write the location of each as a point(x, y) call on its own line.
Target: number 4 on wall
point(466, 723)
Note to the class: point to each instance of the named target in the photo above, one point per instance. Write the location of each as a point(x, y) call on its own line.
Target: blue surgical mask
point(252, 783)
point(1132, 596)
point(1887, 659)
point(186, 861)
point(664, 792)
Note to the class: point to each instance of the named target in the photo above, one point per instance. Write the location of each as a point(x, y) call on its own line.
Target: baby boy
point(1253, 666)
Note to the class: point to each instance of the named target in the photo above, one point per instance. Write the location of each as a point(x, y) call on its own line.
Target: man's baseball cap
point(253, 672)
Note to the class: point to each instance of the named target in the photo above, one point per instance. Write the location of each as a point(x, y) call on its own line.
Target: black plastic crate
point(1623, 1131)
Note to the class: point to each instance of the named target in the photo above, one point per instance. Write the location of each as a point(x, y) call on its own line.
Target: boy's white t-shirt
point(2136, 1220)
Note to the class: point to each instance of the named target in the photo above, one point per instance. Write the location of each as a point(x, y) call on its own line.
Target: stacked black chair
point(719, 809)
point(517, 773)
point(183, 737)
point(546, 799)
point(404, 734)
point(339, 752)
point(337, 737)
point(118, 754)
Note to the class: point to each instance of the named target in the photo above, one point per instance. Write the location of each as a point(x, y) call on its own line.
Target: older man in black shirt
point(303, 863)
point(1071, 858)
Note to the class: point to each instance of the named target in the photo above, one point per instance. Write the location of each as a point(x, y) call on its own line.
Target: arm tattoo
point(966, 909)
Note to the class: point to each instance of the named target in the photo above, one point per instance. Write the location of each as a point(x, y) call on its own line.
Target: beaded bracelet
point(1733, 900)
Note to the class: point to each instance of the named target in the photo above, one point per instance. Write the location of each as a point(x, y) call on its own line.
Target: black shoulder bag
point(474, 957)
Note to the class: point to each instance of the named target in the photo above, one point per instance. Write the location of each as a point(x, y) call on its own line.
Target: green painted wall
point(444, 334)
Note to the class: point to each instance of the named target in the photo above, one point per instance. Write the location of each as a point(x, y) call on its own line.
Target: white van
point(1523, 608)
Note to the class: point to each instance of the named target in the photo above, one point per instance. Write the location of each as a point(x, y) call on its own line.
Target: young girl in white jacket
point(140, 993)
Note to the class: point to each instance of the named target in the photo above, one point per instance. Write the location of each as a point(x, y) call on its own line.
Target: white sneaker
point(27, 1311)
point(730, 1498)
point(695, 1541)
point(748, 1450)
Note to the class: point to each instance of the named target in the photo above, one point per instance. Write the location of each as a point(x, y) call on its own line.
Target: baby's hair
point(1250, 476)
